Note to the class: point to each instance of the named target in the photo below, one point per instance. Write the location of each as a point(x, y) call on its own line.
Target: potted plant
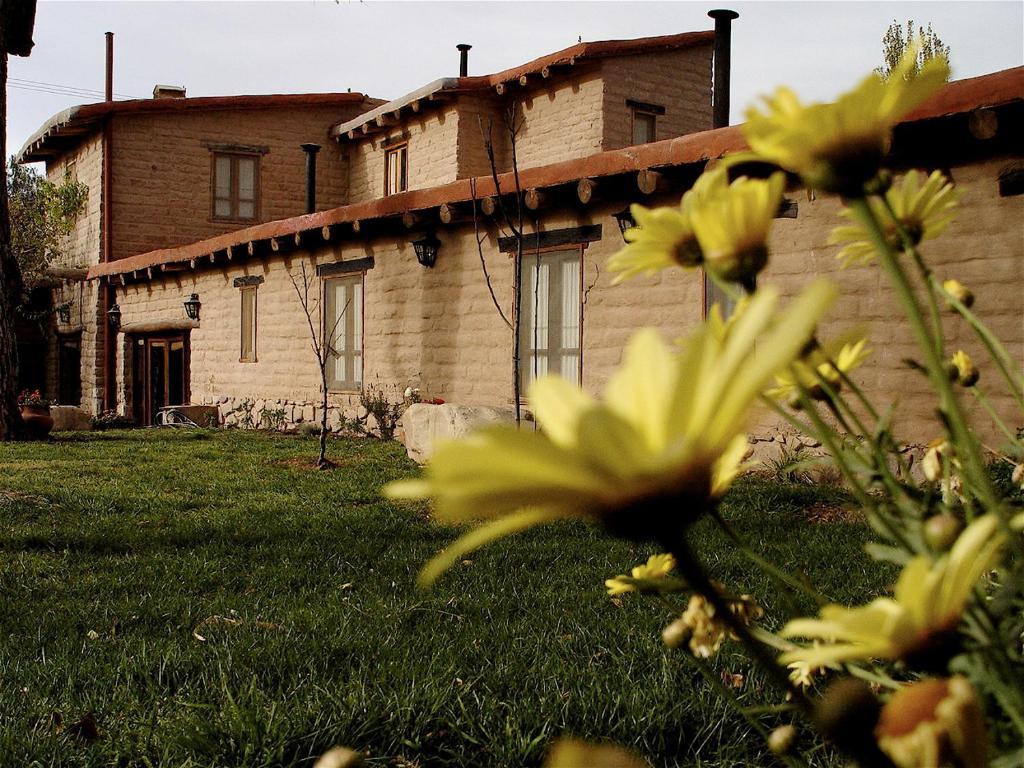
point(35, 414)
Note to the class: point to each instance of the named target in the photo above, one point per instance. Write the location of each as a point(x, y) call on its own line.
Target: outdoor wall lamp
point(114, 316)
point(624, 219)
point(64, 312)
point(426, 250)
point(192, 306)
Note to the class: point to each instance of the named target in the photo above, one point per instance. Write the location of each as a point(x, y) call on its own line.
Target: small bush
point(112, 420)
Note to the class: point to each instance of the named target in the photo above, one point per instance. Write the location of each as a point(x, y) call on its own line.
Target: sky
point(387, 49)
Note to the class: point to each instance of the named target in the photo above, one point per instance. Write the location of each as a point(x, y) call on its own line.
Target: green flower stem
point(980, 397)
point(874, 677)
point(936, 369)
point(995, 347)
point(692, 571)
point(722, 690)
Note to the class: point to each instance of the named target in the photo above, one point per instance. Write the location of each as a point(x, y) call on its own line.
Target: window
point(549, 340)
point(248, 351)
point(396, 169)
point(343, 329)
point(235, 186)
point(644, 120)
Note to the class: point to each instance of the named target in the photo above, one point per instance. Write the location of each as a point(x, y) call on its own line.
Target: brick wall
point(162, 169)
point(679, 81)
point(82, 247)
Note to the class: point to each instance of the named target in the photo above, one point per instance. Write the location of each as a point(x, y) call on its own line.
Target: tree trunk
point(10, 288)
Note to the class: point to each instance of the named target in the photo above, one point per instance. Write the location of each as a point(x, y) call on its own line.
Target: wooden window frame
point(580, 249)
point(634, 112)
point(233, 199)
point(345, 387)
point(389, 150)
point(254, 289)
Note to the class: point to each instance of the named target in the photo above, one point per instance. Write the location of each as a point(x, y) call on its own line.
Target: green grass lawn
point(210, 601)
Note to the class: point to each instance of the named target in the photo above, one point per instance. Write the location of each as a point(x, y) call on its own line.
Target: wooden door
point(161, 374)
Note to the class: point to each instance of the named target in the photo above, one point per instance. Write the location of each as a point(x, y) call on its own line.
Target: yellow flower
point(959, 291)
point(703, 629)
point(933, 722)
point(919, 623)
point(664, 237)
point(572, 753)
point(732, 227)
point(840, 146)
point(643, 461)
point(825, 363)
point(922, 211)
point(656, 567)
point(962, 365)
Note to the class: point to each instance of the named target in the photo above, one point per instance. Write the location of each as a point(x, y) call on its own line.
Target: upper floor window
point(235, 186)
point(552, 308)
point(343, 329)
point(644, 120)
point(396, 168)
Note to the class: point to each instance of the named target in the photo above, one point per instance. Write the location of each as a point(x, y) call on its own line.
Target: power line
point(67, 90)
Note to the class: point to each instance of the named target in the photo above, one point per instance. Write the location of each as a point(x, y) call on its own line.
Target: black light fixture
point(426, 249)
point(625, 220)
point(64, 312)
point(114, 316)
point(192, 306)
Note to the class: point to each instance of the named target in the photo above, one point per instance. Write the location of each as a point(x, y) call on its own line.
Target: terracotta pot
point(37, 421)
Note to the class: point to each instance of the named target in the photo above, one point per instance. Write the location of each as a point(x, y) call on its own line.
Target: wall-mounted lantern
point(426, 250)
point(624, 219)
point(64, 312)
point(192, 306)
point(114, 316)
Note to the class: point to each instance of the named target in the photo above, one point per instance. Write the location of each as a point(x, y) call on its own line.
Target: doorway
point(160, 374)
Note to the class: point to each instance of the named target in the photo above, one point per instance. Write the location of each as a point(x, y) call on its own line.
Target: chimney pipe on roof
point(463, 58)
point(108, 88)
point(310, 150)
point(723, 55)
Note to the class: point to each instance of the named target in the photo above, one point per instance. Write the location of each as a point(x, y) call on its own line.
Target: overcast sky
point(387, 49)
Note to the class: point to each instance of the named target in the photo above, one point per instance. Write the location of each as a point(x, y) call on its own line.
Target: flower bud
point(931, 464)
point(339, 757)
point(940, 531)
point(781, 740)
point(966, 374)
point(958, 291)
point(676, 633)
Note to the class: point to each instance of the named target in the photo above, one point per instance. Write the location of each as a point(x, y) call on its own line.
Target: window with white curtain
point(343, 329)
point(551, 307)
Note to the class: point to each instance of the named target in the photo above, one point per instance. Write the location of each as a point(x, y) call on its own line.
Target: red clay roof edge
point(957, 97)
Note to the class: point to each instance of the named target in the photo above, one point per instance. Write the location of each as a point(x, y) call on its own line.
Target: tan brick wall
point(82, 247)
point(679, 81)
point(437, 328)
point(162, 170)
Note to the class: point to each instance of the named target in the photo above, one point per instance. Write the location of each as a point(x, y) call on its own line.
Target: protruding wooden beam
point(983, 124)
point(451, 213)
point(649, 182)
point(298, 239)
point(416, 106)
point(383, 121)
point(500, 88)
point(213, 258)
point(191, 263)
point(358, 226)
point(585, 190)
point(489, 205)
point(149, 272)
point(536, 199)
point(352, 134)
point(122, 279)
point(230, 252)
point(325, 232)
point(523, 80)
point(274, 245)
point(411, 219)
point(251, 248)
point(545, 72)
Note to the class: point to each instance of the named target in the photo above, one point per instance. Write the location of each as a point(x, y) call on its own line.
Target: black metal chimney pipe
point(108, 84)
point(463, 58)
point(310, 150)
point(723, 55)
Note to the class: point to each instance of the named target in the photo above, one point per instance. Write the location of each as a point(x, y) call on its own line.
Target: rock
point(70, 418)
point(425, 424)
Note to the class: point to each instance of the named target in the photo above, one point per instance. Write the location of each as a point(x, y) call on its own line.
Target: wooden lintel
point(536, 199)
point(649, 182)
point(489, 205)
point(325, 232)
point(585, 190)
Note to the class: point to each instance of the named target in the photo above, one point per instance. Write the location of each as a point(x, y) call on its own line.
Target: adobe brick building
point(167, 171)
point(602, 125)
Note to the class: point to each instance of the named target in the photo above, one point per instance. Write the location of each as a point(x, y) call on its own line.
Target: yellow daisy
point(959, 291)
point(732, 227)
point(827, 363)
point(840, 146)
point(656, 568)
point(643, 460)
point(919, 622)
point(664, 237)
point(922, 210)
point(963, 369)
